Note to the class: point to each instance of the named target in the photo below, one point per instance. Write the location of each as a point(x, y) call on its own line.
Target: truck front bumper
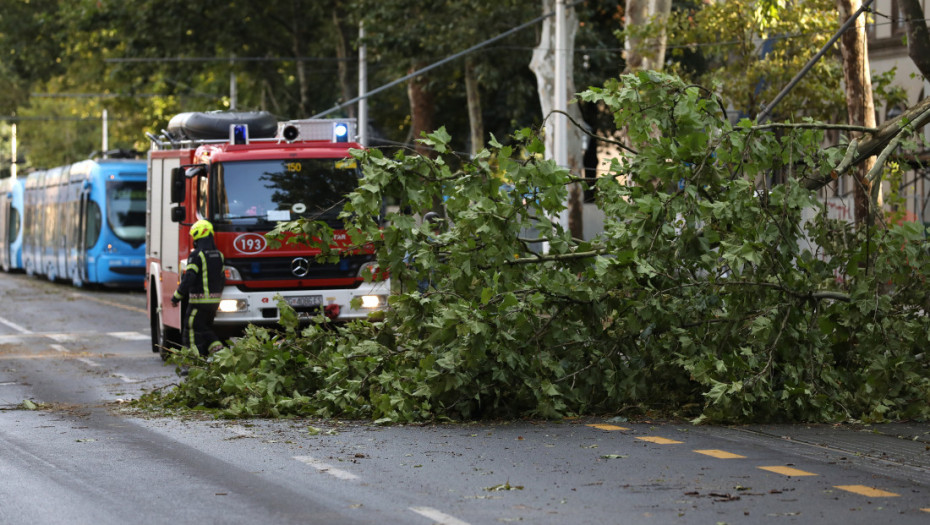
point(239, 307)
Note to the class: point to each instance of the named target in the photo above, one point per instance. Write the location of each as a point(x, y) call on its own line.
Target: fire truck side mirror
point(178, 182)
point(178, 214)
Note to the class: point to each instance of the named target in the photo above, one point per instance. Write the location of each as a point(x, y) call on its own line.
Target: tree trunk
point(422, 109)
point(302, 87)
point(342, 53)
point(543, 65)
point(918, 39)
point(859, 105)
point(648, 53)
point(473, 95)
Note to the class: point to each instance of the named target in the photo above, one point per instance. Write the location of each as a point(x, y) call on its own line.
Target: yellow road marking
point(925, 510)
point(869, 492)
point(788, 471)
point(719, 454)
point(660, 440)
point(607, 427)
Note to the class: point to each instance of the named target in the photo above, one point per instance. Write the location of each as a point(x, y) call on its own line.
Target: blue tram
point(85, 222)
point(11, 222)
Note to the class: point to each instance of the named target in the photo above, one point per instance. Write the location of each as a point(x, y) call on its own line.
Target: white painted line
point(11, 339)
point(129, 336)
point(437, 516)
point(126, 379)
point(14, 326)
point(323, 467)
point(87, 361)
point(61, 338)
point(59, 348)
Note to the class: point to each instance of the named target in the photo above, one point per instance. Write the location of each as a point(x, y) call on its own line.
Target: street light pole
point(13, 147)
point(559, 105)
point(106, 132)
point(362, 87)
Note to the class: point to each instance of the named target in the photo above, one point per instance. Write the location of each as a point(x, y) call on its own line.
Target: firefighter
point(202, 284)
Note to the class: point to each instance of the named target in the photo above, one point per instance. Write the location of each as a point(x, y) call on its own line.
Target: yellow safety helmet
point(201, 229)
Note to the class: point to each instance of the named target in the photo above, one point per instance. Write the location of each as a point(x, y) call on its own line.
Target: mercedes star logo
point(300, 267)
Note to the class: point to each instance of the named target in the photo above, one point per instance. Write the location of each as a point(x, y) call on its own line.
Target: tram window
point(94, 222)
point(126, 210)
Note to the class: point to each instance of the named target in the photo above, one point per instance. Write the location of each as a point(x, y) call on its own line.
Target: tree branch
point(870, 144)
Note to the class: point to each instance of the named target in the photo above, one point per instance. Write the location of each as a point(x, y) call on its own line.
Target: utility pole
point(362, 87)
point(232, 91)
point(13, 147)
point(559, 125)
point(560, 97)
point(106, 133)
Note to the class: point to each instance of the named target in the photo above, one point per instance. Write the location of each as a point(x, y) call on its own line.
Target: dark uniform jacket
point(203, 279)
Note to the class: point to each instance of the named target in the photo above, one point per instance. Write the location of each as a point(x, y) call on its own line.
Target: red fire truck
point(246, 172)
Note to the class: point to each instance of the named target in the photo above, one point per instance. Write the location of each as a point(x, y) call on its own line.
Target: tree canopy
point(64, 62)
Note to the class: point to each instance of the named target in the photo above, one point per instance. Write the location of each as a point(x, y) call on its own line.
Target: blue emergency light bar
point(340, 132)
point(239, 134)
point(330, 130)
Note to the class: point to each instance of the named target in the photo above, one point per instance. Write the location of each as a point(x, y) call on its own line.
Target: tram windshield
point(262, 191)
point(126, 210)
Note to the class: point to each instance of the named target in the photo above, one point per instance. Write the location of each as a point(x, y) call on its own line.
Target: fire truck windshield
point(257, 192)
point(126, 210)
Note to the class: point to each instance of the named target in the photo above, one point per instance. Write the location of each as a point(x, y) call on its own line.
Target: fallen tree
point(706, 296)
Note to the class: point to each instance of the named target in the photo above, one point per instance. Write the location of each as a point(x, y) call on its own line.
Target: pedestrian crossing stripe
point(869, 492)
point(719, 454)
point(788, 471)
point(129, 336)
point(660, 440)
point(602, 426)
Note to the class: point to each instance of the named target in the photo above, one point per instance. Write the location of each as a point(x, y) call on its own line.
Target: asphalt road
point(81, 457)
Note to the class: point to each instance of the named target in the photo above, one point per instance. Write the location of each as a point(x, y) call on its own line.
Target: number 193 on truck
point(246, 172)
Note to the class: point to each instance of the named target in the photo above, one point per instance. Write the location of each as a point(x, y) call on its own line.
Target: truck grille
point(281, 269)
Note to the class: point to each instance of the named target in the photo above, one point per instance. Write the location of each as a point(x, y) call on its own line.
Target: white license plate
point(304, 300)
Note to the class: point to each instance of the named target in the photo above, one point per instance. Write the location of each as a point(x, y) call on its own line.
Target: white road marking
point(61, 338)
point(14, 326)
point(59, 348)
point(437, 516)
point(87, 361)
point(323, 467)
point(129, 336)
point(126, 379)
point(73, 336)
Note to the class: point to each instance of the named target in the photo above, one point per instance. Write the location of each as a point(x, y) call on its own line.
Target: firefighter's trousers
point(198, 327)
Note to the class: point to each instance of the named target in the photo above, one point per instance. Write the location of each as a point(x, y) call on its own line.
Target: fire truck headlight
point(373, 301)
point(233, 305)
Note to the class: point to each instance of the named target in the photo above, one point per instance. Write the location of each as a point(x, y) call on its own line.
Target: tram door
point(6, 225)
point(80, 241)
